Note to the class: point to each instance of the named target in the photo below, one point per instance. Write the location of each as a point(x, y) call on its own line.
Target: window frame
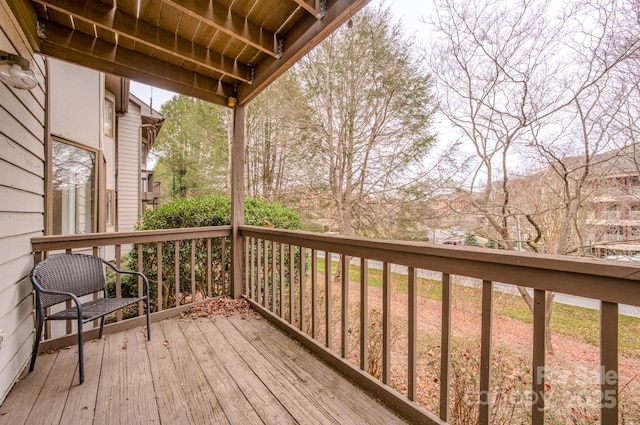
point(109, 117)
point(97, 192)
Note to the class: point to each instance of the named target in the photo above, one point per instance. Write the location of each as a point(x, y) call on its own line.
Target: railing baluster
point(302, 291)
point(159, 286)
point(281, 283)
point(292, 284)
point(209, 268)
point(223, 269)
point(537, 389)
point(267, 292)
point(412, 336)
point(344, 346)
point(259, 286)
point(386, 323)
point(609, 401)
point(118, 253)
point(247, 266)
point(67, 305)
point(273, 277)
point(314, 294)
point(193, 270)
point(252, 289)
point(328, 300)
point(176, 270)
point(140, 248)
point(445, 347)
point(485, 352)
point(364, 314)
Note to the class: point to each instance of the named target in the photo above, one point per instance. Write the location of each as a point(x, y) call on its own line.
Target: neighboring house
point(101, 136)
point(613, 217)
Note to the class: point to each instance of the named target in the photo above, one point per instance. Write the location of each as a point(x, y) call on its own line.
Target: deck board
point(193, 371)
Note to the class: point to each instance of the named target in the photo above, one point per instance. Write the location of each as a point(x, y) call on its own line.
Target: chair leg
point(36, 344)
point(80, 351)
point(148, 322)
point(101, 327)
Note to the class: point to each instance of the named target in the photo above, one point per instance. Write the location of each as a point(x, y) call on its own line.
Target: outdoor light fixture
point(15, 71)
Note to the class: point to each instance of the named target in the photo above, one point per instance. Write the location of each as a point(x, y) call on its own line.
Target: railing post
point(344, 331)
point(609, 363)
point(386, 323)
point(445, 347)
point(412, 313)
point(237, 198)
point(485, 353)
point(364, 314)
point(537, 390)
point(328, 298)
point(314, 294)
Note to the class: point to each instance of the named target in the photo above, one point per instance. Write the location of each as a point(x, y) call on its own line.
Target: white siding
point(128, 169)
point(75, 101)
point(21, 204)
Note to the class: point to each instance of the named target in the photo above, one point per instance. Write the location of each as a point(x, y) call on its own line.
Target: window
point(108, 118)
point(74, 189)
point(111, 207)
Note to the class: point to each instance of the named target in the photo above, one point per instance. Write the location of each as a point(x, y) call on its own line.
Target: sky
point(410, 12)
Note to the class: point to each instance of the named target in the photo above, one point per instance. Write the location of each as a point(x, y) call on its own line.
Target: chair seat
point(95, 309)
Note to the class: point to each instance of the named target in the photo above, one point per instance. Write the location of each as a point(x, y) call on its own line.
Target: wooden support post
point(237, 198)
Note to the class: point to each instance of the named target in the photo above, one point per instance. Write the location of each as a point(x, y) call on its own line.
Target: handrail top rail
point(46, 243)
point(558, 262)
point(597, 279)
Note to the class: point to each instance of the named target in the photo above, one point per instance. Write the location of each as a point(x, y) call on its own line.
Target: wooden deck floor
point(219, 370)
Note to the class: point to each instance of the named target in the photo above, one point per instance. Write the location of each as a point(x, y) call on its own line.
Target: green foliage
point(192, 148)
point(198, 212)
point(471, 240)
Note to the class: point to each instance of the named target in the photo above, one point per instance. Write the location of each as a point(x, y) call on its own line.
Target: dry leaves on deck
point(224, 306)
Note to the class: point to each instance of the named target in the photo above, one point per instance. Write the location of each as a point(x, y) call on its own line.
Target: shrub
point(197, 212)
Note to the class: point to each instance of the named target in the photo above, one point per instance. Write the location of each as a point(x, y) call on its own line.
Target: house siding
point(22, 173)
point(128, 172)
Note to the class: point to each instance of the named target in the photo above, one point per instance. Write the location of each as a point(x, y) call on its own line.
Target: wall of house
point(128, 173)
point(22, 172)
point(76, 99)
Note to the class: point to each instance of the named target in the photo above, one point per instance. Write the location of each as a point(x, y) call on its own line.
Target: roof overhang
point(212, 50)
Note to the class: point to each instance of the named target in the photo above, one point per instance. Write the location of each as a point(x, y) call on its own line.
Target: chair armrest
point(144, 278)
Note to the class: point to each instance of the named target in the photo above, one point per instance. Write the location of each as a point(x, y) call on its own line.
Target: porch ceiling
point(212, 50)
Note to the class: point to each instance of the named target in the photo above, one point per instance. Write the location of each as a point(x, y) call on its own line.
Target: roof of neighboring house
point(152, 121)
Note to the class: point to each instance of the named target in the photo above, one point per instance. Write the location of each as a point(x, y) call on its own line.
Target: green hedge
point(198, 212)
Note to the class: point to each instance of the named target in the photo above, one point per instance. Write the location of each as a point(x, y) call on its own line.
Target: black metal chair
point(69, 277)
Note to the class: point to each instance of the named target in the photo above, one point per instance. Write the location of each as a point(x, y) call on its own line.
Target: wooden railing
point(195, 264)
point(286, 281)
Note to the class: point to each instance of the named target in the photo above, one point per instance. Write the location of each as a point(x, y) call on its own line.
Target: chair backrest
point(79, 274)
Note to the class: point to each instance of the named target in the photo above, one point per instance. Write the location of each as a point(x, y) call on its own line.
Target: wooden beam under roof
point(120, 23)
point(232, 24)
point(312, 6)
point(80, 48)
point(306, 34)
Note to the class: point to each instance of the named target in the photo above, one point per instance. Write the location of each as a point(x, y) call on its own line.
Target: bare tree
point(532, 79)
point(276, 139)
point(370, 115)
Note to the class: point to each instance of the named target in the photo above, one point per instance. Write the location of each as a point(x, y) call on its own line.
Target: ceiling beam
point(230, 23)
point(111, 19)
point(76, 47)
point(26, 19)
point(307, 34)
point(312, 6)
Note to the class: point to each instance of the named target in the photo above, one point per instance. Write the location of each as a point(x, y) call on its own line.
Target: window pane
point(73, 171)
point(108, 118)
